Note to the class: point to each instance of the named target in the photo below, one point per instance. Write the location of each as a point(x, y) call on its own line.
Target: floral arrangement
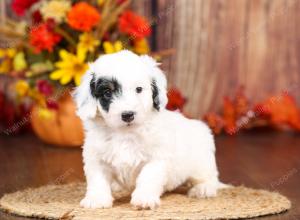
point(50, 53)
point(279, 112)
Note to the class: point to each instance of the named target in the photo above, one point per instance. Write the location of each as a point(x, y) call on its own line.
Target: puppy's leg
point(149, 185)
point(98, 194)
point(204, 188)
point(205, 177)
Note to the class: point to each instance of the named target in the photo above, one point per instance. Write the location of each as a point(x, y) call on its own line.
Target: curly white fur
point(159, 151)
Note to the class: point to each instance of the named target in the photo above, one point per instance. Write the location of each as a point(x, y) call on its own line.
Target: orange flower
point(229, 116)
point(280, 110)
point(134, 25)
point(83, 17)
point(215, 122)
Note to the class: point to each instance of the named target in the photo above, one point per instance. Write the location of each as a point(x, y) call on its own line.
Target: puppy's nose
point(127, 116)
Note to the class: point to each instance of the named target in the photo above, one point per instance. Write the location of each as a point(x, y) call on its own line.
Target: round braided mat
point(62, 202)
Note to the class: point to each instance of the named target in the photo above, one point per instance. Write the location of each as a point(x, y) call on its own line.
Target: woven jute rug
point(62, 202)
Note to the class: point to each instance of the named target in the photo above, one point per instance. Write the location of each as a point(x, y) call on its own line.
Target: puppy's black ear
point(93, 85)
point(155, 95)
point(159, 83)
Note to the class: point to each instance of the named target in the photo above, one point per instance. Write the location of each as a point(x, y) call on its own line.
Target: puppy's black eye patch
point(105, 90)
point(138, 89)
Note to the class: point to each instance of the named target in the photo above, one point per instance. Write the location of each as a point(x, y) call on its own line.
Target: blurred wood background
point(222, 44)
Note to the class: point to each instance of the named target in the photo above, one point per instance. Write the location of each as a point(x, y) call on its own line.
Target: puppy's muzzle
point(128, 116)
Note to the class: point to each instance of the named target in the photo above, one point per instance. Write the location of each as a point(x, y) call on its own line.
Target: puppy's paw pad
point(144, 201)
point(96, 202)
point(203, 190)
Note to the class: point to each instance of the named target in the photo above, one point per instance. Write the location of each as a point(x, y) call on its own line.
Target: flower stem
point(66, 35)
point(111, 18)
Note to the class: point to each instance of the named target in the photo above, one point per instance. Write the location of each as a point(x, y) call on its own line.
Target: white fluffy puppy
point(132, 142)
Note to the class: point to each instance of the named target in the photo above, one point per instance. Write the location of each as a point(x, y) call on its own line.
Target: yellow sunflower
point(6, 59)
point(112, 47)
point(71, 66)
point(19, 61)
point(100, 2)
point(141, 46)
point(5, 66)
point(22, 88)
point(88, 42)
point(37, 96)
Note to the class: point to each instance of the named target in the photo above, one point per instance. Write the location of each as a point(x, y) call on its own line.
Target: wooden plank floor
point(266, 160)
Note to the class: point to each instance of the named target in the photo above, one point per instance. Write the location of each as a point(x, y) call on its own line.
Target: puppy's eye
point(139, 89)
point(107, 94)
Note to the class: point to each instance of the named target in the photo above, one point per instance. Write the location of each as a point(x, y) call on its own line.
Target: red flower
point(134, 25)
point(119, 2)
point(43, 37)
point(175, 100)
point(20, 6)
point(45, 87)
point(83, 17)
point(36, 17)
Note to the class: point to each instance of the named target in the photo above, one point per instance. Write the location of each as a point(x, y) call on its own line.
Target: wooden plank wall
point(221, 44)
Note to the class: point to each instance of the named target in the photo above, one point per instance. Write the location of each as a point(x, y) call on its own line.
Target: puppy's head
point(123, 88)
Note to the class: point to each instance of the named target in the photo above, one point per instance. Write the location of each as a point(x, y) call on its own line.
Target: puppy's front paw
point(203, 190)
point(96, 202)
point(144, 200)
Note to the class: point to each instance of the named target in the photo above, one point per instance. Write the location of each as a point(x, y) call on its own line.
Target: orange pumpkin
point(63, 129)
